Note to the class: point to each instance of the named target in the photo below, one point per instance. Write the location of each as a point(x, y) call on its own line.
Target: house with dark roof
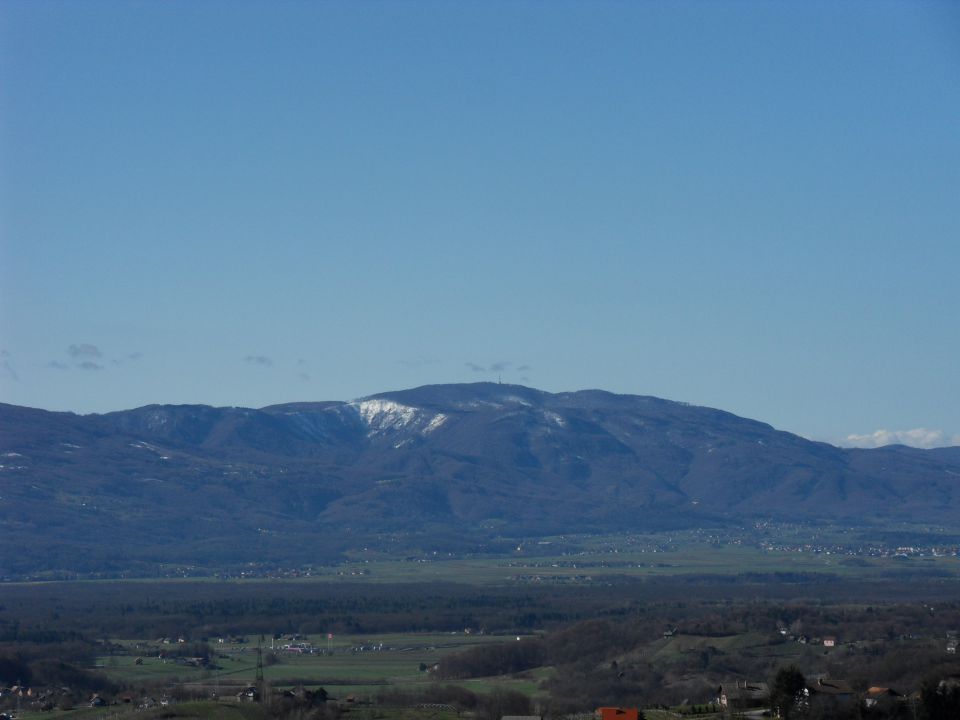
point(839, 689)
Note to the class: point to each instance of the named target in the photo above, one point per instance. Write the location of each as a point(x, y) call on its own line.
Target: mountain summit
point(462, 463)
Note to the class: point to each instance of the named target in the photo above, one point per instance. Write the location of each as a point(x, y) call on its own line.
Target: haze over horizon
point(749, 206)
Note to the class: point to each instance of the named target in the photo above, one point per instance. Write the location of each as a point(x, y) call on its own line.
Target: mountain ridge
point(462, 462)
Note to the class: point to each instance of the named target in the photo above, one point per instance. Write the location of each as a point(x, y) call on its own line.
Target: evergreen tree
point(786, 692)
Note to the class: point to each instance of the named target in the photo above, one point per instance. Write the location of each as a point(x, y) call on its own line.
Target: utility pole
point(258, 682)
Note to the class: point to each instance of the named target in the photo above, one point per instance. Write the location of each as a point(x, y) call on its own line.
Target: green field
point(343, 668)
point(592, 564)
point(584, 559)
point(537, 566)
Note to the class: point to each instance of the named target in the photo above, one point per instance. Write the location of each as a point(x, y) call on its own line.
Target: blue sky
point(747, 205)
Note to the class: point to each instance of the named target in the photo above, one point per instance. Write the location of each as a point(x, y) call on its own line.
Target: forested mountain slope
point(461, 463)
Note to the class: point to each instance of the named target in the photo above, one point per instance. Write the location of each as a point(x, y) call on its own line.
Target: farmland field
point(357, 665)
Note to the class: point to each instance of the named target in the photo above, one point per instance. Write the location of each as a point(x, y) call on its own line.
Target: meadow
point(347, 665)
point(598, 563)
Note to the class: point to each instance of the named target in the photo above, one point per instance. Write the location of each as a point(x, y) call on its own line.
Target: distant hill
point(454, 465)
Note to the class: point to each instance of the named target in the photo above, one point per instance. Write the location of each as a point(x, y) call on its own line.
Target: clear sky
point(748, 205)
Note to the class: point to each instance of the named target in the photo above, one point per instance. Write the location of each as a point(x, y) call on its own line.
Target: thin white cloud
point(918, 438)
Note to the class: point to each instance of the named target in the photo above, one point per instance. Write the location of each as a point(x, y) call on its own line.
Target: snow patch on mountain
point(144, 445)
point(437, 420)
point(515, 400)
point(554, 418)
point(497, 403)
point(381, 416)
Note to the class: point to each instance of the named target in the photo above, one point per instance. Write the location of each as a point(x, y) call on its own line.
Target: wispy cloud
point(84, 350)
point(918, 438)
point(6, 366)
point(87, 356)
point(261, 360)
point(476, 368)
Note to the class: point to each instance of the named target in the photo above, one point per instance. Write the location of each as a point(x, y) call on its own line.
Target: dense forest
point(197, 609)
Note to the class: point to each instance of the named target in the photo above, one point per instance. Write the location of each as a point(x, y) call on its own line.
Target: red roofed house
point(617, 713)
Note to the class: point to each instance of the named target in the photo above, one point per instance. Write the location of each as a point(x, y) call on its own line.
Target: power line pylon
point(259, 678)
